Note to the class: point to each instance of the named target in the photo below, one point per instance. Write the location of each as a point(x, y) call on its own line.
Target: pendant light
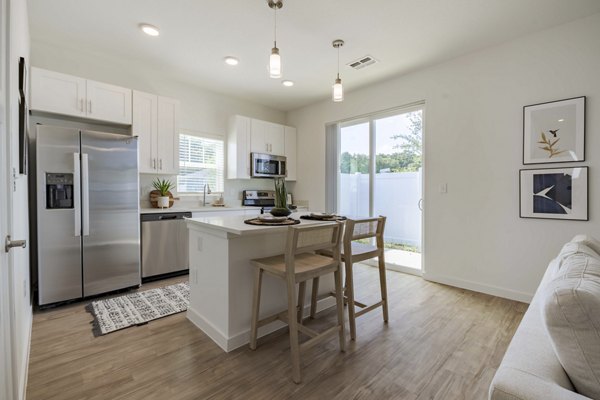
point(338, 89)
point(275, 58)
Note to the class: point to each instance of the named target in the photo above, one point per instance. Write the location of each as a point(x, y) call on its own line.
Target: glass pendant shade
point(338, 90)
point(275, 63)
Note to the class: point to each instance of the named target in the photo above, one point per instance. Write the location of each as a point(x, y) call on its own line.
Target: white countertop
point(235, 224)
point(178, 208)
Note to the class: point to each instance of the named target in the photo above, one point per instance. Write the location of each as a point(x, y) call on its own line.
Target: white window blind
point(201, 161)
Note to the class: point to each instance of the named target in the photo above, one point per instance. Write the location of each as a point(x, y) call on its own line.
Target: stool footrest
point(322, 336)
point(369, 308)
point(307, 331)
point(282, 316)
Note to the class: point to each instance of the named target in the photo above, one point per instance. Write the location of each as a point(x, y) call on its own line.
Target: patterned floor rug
point(138, 308)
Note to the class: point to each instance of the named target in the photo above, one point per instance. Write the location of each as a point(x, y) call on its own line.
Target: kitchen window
point(201, 161)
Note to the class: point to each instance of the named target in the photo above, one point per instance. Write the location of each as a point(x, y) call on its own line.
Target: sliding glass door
point(380, 173)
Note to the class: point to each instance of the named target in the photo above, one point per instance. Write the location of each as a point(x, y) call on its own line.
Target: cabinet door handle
point(90, 106)
point(161, 164)
point(154, 163)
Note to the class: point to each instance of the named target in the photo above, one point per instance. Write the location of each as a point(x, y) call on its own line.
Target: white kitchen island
point(222, 278)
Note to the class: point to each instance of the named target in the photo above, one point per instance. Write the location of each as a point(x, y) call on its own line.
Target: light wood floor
point(441, 343)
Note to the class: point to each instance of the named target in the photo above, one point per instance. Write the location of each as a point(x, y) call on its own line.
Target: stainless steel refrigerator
point(88, 229)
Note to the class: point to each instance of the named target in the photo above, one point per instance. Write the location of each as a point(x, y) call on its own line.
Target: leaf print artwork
point(549, 144)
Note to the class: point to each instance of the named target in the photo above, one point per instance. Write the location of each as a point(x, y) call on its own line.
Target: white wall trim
point(479, 287)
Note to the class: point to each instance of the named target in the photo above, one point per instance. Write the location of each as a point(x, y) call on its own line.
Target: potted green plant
point(163, 186)
point(281, 209)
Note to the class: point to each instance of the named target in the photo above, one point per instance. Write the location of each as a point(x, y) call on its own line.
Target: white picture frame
point(554, 132)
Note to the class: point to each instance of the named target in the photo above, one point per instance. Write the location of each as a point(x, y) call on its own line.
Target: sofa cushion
point(570, 304)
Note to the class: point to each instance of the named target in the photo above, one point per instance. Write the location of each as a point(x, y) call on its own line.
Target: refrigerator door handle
point(77, 193)
point(85, 193)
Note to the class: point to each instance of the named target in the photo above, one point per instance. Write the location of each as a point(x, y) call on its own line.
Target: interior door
point(110, 212)
point(6, 302)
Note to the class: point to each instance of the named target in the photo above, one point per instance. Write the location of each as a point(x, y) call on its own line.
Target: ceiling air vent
point(362, 62)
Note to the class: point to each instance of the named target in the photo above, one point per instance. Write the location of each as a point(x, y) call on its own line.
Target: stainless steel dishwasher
point(164, 244)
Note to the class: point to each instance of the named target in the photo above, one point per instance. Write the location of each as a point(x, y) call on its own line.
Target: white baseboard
point(240, 339)
point(478, 287)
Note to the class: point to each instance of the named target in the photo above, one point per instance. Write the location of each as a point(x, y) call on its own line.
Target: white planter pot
point(163, 201)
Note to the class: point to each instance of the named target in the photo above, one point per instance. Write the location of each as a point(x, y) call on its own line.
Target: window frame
point(202, 135)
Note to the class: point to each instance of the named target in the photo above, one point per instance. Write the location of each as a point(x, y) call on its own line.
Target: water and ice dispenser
point(59, 190)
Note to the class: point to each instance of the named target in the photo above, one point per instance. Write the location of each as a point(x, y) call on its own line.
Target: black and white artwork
point(554, 132)
point(555, 193)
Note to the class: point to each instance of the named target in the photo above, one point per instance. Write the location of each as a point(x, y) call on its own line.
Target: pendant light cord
point(275, 29)
point(338, 72)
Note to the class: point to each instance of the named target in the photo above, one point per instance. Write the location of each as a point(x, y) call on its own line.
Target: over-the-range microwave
point(268, 166)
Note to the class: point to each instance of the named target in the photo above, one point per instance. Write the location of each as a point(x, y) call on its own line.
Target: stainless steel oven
point(268, 166)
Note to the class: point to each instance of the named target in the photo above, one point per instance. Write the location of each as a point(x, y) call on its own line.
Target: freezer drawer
point(164, 243)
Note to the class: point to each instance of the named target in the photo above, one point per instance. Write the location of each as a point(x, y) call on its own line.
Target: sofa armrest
point(514, 384)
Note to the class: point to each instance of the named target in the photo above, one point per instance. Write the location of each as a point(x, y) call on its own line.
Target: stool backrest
point(307, 239)
point(365, 228)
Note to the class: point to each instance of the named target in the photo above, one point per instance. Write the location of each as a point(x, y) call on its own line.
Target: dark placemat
point(258, 221)
point(332, 218)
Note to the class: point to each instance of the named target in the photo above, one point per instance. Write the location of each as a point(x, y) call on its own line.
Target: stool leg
point(301, 295)
point(383, 284)
point(293, 328)
point(258, 273)
point(313, 297)
point(350, 295)
point(339, 302)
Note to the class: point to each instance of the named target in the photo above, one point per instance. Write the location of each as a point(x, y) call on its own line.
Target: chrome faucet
point(205, 190)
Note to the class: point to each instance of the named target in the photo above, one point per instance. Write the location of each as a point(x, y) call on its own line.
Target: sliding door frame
point(370, 119)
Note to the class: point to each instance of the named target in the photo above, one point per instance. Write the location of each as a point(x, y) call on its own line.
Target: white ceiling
point(196, 35)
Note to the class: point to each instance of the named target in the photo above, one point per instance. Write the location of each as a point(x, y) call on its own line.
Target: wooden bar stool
point(353, 252)
point(296, 266)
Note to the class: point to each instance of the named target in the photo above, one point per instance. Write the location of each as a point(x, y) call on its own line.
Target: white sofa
point(561, 327)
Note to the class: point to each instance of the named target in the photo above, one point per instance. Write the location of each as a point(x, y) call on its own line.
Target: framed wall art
point(554, 132)
point(554, 193)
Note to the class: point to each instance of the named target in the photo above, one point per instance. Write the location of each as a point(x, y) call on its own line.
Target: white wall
point(474, 237)
point(201, 110)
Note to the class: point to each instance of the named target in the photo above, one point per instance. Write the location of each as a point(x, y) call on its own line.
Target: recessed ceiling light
point(561, 120)
point(231, 61)
point(150, 30)
point(287, 83)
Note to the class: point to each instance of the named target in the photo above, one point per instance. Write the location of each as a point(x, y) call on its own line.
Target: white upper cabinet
point(290, 152)
point(168, 136)
point(267, 137)
point(57, 93)
point(64, 94)
point(238, 148)
point(156, 122)
point(108, 102)
point(247, 135)
point(145, 126)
